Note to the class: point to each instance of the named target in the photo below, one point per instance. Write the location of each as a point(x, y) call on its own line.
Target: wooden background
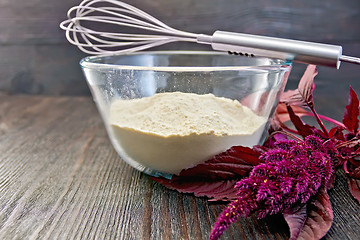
point(35, 57)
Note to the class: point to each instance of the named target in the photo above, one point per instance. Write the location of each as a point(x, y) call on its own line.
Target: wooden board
point(60, 178)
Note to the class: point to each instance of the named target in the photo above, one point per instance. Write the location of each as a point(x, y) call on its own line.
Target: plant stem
point(333, 121)
point(328, 119)
point(345, 167)
point(287, 134)
point(321, 124)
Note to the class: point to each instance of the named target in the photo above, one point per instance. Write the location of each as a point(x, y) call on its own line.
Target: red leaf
point(355, 173)
point(351, 114)
point(216, 177)
point(306, 85)
point(354, 187)
point(319, 218)
point(292, 97)
point(295, 219)
point(283, 114)
point(222, 190)
point(234, 162)
point(303, 95)
point(303, 128)
point(337, 133)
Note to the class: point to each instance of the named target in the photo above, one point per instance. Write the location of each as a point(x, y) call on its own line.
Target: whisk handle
point(293, 50)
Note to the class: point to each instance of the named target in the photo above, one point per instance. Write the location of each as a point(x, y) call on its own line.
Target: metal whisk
point(115, 13)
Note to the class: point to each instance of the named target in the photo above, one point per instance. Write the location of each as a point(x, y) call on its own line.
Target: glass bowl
point(168, 111)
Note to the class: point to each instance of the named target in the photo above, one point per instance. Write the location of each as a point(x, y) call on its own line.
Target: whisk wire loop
point(81, 32)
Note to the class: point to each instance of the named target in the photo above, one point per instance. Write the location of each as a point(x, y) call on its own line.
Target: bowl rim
point(88, 62)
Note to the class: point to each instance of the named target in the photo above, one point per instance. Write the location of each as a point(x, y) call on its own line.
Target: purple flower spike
point(292, 173)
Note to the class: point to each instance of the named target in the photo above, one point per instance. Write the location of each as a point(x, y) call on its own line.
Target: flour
point(169, 132)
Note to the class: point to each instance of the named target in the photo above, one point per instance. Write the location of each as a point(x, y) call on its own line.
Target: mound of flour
point(169, 132)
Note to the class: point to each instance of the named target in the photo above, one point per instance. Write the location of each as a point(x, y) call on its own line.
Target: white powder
point(169, 132)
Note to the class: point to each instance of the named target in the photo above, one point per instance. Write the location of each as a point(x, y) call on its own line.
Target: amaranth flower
point(293, 172)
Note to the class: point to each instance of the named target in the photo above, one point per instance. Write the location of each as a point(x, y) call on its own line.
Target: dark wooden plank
point(61, 179)
point(36, 21)
point(42, 69)
point(55, 70)
point(35, 57)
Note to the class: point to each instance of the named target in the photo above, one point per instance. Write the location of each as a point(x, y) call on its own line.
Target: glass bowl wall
point(255, 82)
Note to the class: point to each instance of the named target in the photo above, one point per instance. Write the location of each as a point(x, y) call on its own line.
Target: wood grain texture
point(36, 21)
point(60, 178)
point(35, 57)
